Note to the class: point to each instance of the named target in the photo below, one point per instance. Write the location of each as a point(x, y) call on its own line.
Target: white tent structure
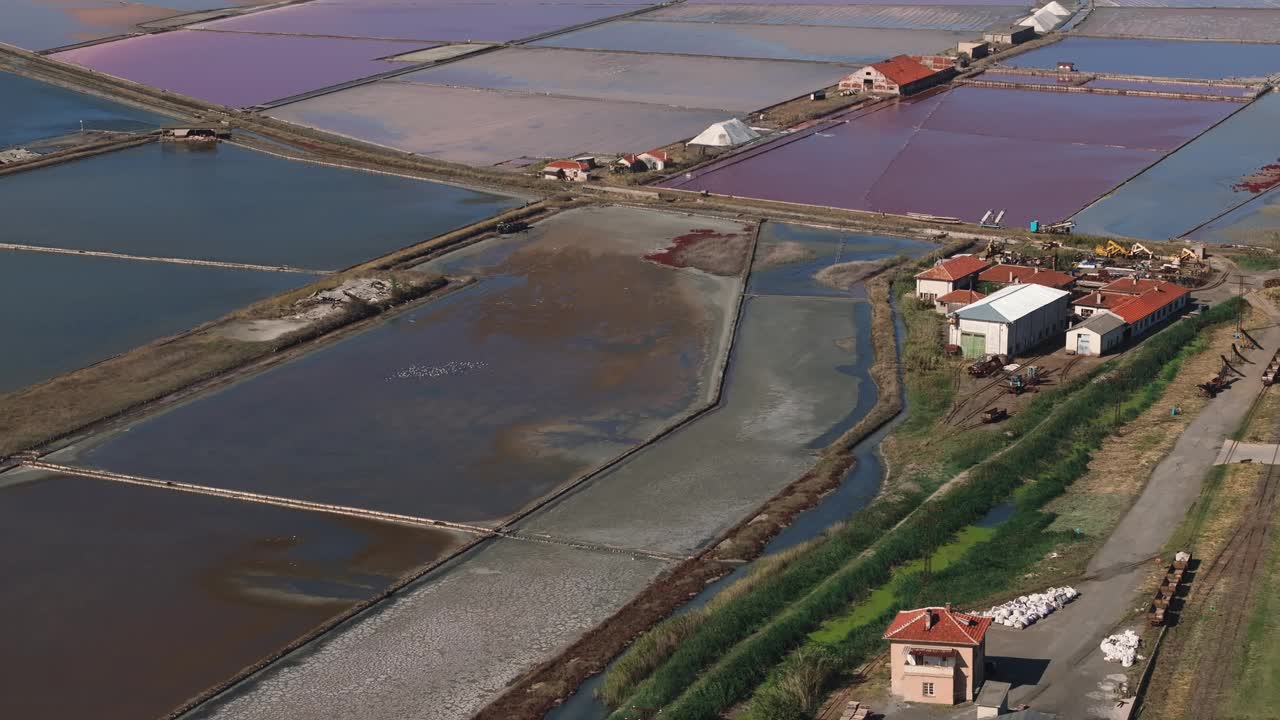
point(1043, 20)
point(725, 134)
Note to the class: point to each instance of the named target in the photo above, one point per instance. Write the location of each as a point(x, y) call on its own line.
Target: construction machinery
point(991, 219)
point(1017, 384)
point(1112, 249)
point(985, 368)
point(1219, 381)
point(1141, 251)
point(995, 248)
point(1059, 228)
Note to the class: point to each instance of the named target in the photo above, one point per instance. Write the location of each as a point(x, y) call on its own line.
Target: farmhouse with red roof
point(900, 75)
point(936, 655)
point(957, 273)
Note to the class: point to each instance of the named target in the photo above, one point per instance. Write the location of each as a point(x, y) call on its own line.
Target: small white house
point(1097, 336)
point(957, 273)
point(1010, 321)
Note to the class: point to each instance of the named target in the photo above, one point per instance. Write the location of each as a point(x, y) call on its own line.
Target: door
point(1082, 343)
point(974, 345)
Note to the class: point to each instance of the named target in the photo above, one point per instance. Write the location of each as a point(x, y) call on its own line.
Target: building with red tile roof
point(936, 654)
point(899, 75)
point(1015, 274)
point(1152, 307)
point(956, 299)
point(957, 273)
point(567, 170)
point(1131, 286)
point(1095, 301)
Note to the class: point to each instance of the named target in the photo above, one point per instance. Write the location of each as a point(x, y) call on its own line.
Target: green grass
point(1256, 692)
point(884, 598)
point(1257, 261)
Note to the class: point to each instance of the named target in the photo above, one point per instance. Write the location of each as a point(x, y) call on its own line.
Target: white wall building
point(1010, 321)
point(957, 273)
point(1097, 336)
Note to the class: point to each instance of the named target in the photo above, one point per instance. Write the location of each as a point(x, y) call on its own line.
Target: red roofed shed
point(1014, 274)
point(936, 655)
point(900, 75)
point(957, 273)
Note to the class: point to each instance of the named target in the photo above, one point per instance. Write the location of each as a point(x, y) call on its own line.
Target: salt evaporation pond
point(233, 204)
point(431, 20)
point(1218, 171)
point(251, 69)
point(104, 306)
point(1156, 58)
point(971, 17)
point(1217, 23)
point(902, 157)
point(788, 257)
point(444, 123)
point(1243, 4)
point(46, 24)
point(730, 85)
point(33, 110)
point(797, 379)
point(452, 642)
point(123, 602)
point(1257, 222)
point(571, 350)
point(776, 42)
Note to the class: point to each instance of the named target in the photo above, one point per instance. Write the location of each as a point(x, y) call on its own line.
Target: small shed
point(656, 159)
point(993, 699)
point(727, 133)
point(974, 50)
point(1097, 336)
point(208, 131)
point(1012, 35)
point(955, 300)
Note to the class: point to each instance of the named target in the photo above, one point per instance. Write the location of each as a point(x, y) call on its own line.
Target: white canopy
point(725, 134)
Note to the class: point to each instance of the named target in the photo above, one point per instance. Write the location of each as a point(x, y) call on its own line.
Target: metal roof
point(1101, 323)
point(993, 694)
point(1011, 303)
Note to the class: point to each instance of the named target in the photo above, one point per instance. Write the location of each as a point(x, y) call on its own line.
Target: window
point(928, 690)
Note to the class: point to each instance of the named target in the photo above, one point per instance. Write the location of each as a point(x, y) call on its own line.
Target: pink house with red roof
point(936, 655)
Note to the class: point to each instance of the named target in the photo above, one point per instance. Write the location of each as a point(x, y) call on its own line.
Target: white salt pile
point(1122, 648)
point(1027, 609)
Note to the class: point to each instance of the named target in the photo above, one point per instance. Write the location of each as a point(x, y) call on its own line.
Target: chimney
point(928, 619)
point(948, 607)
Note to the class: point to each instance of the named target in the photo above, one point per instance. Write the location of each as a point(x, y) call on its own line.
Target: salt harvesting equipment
point(992, 219)
point(1112, 249)
point(1053, 228)
point(994, 415)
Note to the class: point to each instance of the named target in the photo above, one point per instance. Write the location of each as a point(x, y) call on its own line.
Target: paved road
point(1059, 667)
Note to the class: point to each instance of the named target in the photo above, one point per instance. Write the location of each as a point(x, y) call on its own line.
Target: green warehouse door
point(974, 345)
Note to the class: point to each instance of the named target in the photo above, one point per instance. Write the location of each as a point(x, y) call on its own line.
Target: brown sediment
point(546, 685)
point(707, 250)
point(1260, 181)
point(845, 275)
point(783, 253)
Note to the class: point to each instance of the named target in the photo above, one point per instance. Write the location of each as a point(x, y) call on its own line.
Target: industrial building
point(974, 50)
point(573, 170)
point(1019, 274)
point(1010, 321)
point(900, 75)
point(957, 273)
point(1098, 301)
point(936, 655)
point(1012, 35)
point(1152, 307)
point(1099, 335)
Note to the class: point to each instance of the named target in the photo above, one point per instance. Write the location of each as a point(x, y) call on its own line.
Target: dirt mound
point(843, 276)
point(708, 251)
point(783, 253)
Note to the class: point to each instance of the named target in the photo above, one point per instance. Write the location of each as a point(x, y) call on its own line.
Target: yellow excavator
point(1112, 249)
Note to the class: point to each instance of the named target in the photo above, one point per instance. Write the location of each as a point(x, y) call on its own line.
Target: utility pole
point(1240, 310)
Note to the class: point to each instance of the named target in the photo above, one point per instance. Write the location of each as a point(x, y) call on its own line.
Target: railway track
point(1229, 581)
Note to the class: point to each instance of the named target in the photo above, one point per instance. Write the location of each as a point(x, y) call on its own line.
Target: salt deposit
point(1122, 648)
point(1025, 610)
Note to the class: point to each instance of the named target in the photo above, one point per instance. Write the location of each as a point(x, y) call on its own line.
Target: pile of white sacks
point(1027, 609)
point(1122, 648)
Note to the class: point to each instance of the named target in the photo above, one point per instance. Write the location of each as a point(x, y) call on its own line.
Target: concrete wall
point(932, 289)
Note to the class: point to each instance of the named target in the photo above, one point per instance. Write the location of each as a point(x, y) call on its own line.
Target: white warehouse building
point(1010, 321)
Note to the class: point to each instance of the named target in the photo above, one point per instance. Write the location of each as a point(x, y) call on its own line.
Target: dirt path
point(1056, 665)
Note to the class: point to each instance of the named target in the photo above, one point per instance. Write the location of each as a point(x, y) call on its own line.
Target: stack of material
point(1027, 609)
point(1182, 557)
point(1122, 648)
point(854, 710)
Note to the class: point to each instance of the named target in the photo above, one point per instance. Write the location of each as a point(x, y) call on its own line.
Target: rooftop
point(1024, 274)
point(1011, 303)
point(954, 268)
point(993, 694)
point(903, 69)
point(1101, 299)
point(1149, 302)
point(1131, 285)
point(961, 296)
point(938, 625)
point(1102, 323)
